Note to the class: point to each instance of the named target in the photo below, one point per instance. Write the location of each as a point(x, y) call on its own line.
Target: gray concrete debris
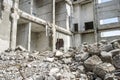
point(116, 61)
point(98, 61)
point(107, 47)
point(58, 53)
point(20, 48)
point(91, 62)
point(82, 56)
point(94, 49)
point(106, 56)
point(116, 44)
point(110, 76)
point(103, 68)
point(83, 77)
point(115, 52)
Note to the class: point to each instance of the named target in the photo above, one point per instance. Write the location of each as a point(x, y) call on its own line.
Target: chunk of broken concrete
point(67, 60)
point(116, 61)
point(107, 47)
point(115, 52)
point(103, 68)
point(83, 77)
point(82, 56)
point(91, 62)
point(110, 76)
point(94, 49)
point(106, 56)
point(49, 59)
point(116, 44)
point(53, 71)
point(20, 48)
point(58, 53)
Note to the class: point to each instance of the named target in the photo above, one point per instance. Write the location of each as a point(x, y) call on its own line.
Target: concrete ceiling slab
point(35, 27)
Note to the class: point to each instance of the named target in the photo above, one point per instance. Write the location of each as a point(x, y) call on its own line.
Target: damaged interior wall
point(67, 43)
point(23, 35)
point(43, 10)
point(39, 41)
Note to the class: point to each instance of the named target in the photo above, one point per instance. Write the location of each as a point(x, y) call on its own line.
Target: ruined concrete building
point(50, 24)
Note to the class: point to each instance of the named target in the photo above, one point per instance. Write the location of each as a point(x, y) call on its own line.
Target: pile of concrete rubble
point(98, 61)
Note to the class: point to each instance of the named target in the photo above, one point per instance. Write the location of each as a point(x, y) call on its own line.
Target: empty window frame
point(110, 33)
point(108, 21)
point(59, 43)
point(103, 1)
point(76, 27)
point(89, 25)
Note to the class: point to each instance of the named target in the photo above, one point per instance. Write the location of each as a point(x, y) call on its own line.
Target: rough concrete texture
point(5, 24)
point(20, 64)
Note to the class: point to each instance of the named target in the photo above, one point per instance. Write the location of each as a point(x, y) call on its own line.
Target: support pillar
point(54, 28)
point(29, 35)
point(14, 18)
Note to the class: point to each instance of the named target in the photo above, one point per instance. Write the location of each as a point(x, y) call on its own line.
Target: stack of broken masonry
point(98, 61)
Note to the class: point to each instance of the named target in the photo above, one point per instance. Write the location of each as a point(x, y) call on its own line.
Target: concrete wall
point(109, 38)
point(82, 13)
point(39, 41)
point(67, 40)
point(43, 9)
point(77, 40)
point(33, 41)
point(86, 14)
point(63, 13)
point(23, 35)
point(5, 25)
point(108, 10)
point(26, 5)
point(88, 37)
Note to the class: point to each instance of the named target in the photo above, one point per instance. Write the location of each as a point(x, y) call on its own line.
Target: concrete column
point(28, 34)
point(80, 27)
point(95, 20)
point(68, 9)
point(14, 18)
point(53, 28)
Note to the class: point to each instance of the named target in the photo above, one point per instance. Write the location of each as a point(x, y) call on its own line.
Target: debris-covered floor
point(98, 61)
